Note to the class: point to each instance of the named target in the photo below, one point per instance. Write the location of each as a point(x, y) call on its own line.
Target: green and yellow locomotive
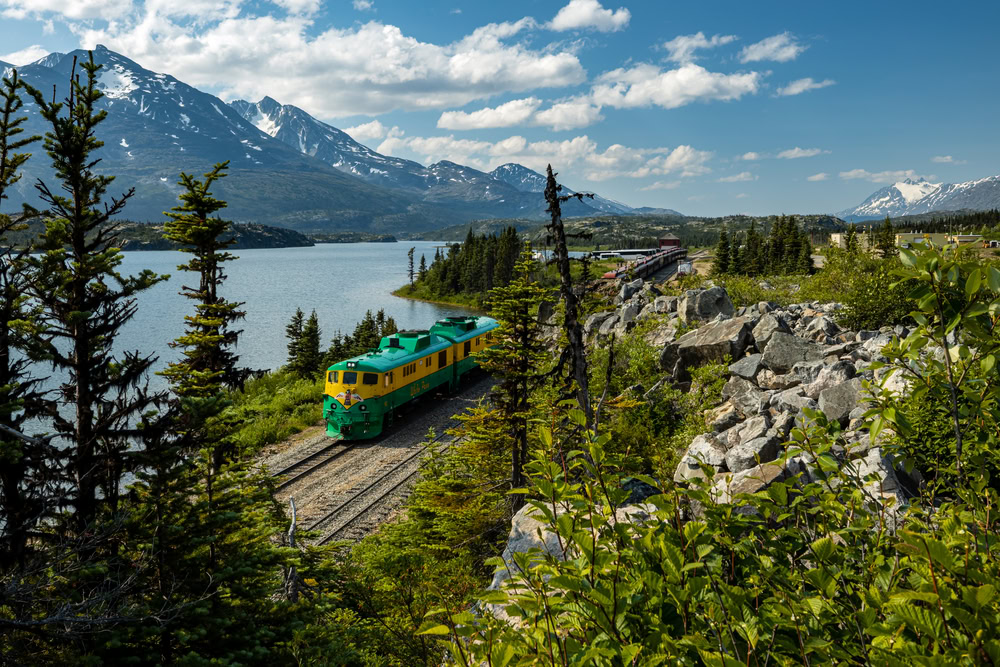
point(363, 392)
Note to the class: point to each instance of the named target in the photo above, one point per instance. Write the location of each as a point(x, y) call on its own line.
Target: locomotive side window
point(350, 377)
point(442, 358)
point(369, 378)
point(465, 350)
point(385, 380)
point(331, 376)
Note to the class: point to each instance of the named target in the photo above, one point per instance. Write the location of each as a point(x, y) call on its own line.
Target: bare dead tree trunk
point(291, 579)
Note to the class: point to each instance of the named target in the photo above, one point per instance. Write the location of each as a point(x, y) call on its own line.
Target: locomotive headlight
point(363, 408)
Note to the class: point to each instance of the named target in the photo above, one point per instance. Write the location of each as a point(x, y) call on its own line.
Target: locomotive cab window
point(442, 358)
point(350, 377)
point(465, 350)
point(369, 378)
point(331, 376)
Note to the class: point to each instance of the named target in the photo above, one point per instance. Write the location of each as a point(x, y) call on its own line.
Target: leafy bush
point(876, 297)
point(271, 408)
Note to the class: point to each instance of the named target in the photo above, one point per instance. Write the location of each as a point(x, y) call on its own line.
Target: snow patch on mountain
point(117, 83)
point(915, 190)
point(913, 197)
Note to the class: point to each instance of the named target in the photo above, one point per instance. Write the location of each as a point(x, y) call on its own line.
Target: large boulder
point(711, 342)
point(747, 367)
point(792, 401)
point(705, 449)
point(665, 304)
point(595, 320)
point(758, 478)
point(745, 396)
point(704, 305)
point(629, 289)
point(750, 453)
point(876, 473)
point(766, 327)
point(834, 374)
point(628, 313)
point(784, 350)
point(608, 325)
point(838, 401)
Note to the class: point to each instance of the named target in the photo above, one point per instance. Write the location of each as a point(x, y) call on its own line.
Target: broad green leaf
point(972, 283)
point(823, 548)
point(993, 278)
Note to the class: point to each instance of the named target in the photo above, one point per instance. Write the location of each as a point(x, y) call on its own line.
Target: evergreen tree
point(885, 239)
point(518, 356)
point(310, 359)
point(852, 244)
point(293, 332)
point(720, 264)
point(24, 499)
point(804, 263)
point(409, 269)
point(85, 302)
point(422, 271)
point(736, 257)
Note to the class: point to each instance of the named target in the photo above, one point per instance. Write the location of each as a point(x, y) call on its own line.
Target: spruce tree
point(409, 269)
point(293, 332)
point(23, 469)
point(84, 303)
point(517, 357)
point(720, 263)
point(310, 359)
point(852, 244)
point(422, 271)
point(885, 239)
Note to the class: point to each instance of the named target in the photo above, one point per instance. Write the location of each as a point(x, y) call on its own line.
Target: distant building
point(907, 239)
point(965, 239)
point(669, 241)
point(838, 240)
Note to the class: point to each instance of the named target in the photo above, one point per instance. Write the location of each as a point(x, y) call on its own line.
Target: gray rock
point(754, 480)
point(768, 325)
point(862, 336)
point(628, 313)
point(747, 367)
point(750, 453)
point(808, 371)
point(664, 334)
point(711, 342)
point(726, 420)
point(665, 304)
point(784, 350)
point(838, 372)
point(745, 396)
point(608, 325)
point(838, 401)
point(594, 321)
point(876, 471)
point(781, 427)
point(766, 379)
point(629, 289)
point(753, 428)
point(792, 401)
point(705, 449)
point(703, 305)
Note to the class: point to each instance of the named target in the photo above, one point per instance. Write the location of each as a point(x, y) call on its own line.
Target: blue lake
point(341, 281)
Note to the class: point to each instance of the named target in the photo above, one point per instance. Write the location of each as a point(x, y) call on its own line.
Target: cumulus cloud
point(818, 177)
point(942, 159)
point(742, 195)
point(581, 14)
point(368, 68)
point(79, 9)
point(779, 48)
point(751, 155)
point(25, 56)
point(307, 7)
point(803, 85)
point(795, 153)
point(515, 112)
point(364, 5)
point(882, 176)
point(646, 85)
point(581, 153)
point(661, 185)
point(738, 178)
point(682, 48)
point(372, 130)
point(571, 114)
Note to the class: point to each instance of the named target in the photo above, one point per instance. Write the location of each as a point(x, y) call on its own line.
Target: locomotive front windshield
point(350, 377)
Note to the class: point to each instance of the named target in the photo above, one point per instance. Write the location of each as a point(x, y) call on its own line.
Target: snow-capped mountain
point(911, 197)
point(527, 180)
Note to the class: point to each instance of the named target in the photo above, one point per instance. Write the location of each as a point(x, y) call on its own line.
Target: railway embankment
point(344, 490)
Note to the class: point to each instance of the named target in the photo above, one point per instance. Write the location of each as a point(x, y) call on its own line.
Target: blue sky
point(707, 108)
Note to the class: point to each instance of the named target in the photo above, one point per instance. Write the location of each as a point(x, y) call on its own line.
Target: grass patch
point(272, 408)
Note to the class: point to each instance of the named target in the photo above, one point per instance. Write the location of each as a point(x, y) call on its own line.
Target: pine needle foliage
point(209, 363)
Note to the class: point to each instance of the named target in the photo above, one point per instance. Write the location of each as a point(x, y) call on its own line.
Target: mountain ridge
point(912, 197)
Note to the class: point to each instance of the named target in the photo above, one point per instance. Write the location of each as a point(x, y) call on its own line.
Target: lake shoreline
point(397, 293)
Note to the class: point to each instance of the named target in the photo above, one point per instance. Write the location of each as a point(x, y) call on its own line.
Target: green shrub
point(876, 297)
point(271, 408)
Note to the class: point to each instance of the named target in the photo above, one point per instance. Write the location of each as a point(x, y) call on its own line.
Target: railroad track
point(311, 463)
point(359, 505)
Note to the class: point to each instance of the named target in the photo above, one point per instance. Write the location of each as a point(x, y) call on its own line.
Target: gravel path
point(351, 466)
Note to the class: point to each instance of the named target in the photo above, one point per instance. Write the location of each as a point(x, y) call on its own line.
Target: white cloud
point(779, 48)
point(942, 159)
point(682, 48)
point(579, 14)
point(25, 56)
point(795, 153)
point(741, 177)
point(882, 176)
point(306, 7)
point(751, 155)
point(661, 185)
point(579, 154)
point(78, 9)
point(364, 5)
point(802, 85)
point(373, 130)
point(515, 112)
point(646, 85)
point(570, 114)
point(822, 176)
point(742, 195)
point(368, 68)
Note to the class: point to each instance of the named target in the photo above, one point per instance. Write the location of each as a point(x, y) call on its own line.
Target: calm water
point(339, 280)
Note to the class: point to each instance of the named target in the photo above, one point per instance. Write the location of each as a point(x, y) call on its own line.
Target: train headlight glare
point(363, 408)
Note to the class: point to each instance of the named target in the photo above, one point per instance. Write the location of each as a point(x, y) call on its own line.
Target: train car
point(362, 393)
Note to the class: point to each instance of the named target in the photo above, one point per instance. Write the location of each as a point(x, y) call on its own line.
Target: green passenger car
point(362, 393)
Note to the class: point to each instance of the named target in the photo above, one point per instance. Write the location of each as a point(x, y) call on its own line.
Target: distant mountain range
point(911, 197)
point(286, 167)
